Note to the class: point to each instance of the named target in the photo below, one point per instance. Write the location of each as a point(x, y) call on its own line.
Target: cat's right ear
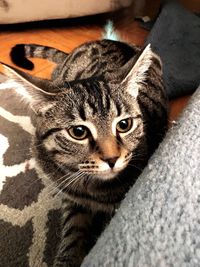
point(32, 89)
point(134, 74)
point(139, 70)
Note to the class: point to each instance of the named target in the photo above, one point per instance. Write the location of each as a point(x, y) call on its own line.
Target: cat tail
point(110, 33)
point(21, 52)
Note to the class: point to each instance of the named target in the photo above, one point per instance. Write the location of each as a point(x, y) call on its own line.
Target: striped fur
point(21, 52)
point(98, 85)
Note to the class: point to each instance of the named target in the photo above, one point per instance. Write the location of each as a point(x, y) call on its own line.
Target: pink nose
point(111, 161)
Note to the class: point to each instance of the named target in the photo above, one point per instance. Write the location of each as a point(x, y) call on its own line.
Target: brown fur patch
point(109, 148)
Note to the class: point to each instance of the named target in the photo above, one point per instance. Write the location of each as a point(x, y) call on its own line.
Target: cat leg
point(75, 237)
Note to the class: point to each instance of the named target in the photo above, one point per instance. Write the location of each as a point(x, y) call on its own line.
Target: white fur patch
point(104, 167)
point(50, 144)
point(8, 85)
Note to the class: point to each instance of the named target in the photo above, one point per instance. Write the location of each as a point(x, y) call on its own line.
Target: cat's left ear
point(35, 91)
point(139, 71)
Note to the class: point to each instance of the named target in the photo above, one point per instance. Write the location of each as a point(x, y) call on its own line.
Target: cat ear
point(32, 89)
point(139, 72)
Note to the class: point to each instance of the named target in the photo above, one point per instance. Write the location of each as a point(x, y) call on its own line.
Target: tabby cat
point(97, 122)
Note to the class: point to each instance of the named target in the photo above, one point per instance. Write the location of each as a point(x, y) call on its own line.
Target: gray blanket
point(158, 223)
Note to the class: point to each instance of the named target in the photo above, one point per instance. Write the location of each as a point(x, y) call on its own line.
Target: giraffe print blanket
point(29, 208)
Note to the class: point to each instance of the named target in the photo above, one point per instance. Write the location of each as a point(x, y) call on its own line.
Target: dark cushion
point(176, 38)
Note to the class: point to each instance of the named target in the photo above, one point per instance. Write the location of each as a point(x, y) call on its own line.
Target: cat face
point(92, 126)
point(90, 132)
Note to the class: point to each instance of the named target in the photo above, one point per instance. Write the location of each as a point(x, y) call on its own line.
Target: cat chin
point(106, 175)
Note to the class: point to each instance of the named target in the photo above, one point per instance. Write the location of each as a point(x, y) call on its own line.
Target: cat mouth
point(105, 175)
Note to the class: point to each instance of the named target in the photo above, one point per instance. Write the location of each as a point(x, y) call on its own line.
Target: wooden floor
point(66, 35)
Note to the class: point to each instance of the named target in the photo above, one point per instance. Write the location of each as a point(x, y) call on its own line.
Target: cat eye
point(124, 125)
point(78, 132)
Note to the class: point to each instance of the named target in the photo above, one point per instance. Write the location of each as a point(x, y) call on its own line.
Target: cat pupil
point(79, 131)
point(123, 124)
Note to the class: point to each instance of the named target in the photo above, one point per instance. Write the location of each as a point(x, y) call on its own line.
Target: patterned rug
point(29, 206)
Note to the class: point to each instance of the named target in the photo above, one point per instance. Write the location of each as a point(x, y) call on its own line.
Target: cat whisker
point(132, 165)
point(138, 156)
point(54, 185)
point(75, 184)
point(47, 174)
point(38, 179)
point(80, 175)
point(70, 178)
point(59, 184)
point(73, 180)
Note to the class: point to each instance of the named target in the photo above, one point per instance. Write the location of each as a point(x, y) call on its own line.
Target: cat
point(97, 122)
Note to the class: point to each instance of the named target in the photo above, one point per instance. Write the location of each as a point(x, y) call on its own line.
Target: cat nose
point(111, 161)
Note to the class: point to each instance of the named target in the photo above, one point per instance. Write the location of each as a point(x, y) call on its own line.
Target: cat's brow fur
point(96, 85)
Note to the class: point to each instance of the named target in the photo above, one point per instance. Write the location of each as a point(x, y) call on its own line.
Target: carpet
point(29, 211)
